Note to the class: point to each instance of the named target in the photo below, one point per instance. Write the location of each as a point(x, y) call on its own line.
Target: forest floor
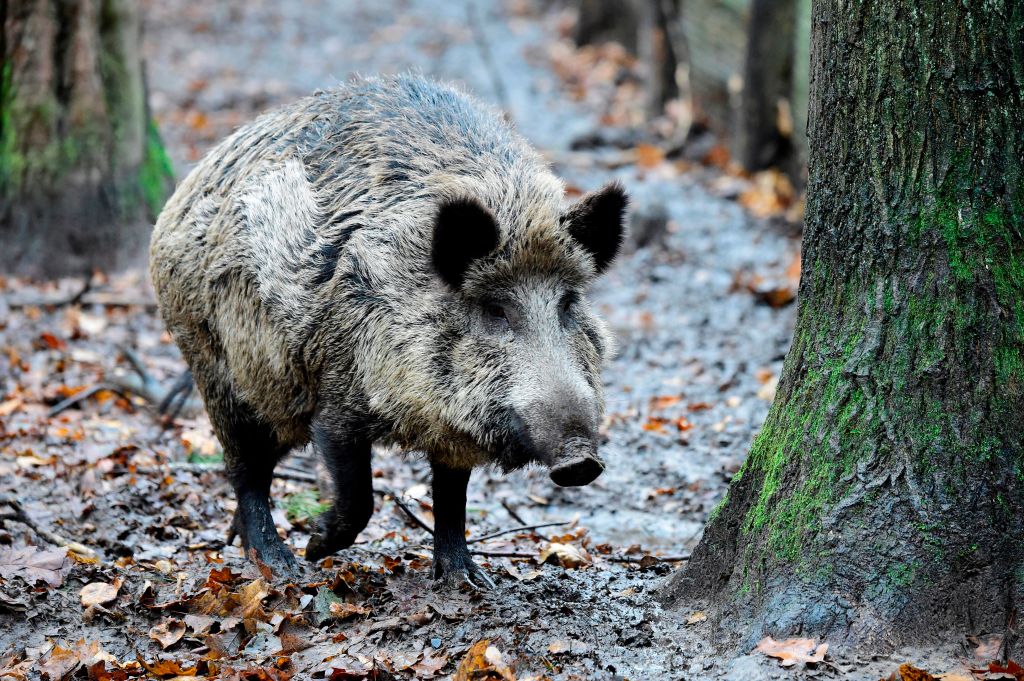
point(701, 306)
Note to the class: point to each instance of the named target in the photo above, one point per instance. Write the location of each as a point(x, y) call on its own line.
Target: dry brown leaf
point(167, 669)
point(251, 599)
point(59, 664)
point(99, 593)
point(343, 610)
point(696, 617)
point(168, 632)
point(910, 673)
point(649, 156)
point(567, 555)
point(483, 661)
point(430, 664)
point(660, 402)
point(33, 565)
point(793, 650)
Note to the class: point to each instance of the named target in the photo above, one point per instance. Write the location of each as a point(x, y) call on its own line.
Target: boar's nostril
point(576, 464)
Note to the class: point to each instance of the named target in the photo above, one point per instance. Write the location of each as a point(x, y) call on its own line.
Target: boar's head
point(523, 349)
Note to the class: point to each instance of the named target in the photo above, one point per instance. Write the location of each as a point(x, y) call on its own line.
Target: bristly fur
point(294, 268)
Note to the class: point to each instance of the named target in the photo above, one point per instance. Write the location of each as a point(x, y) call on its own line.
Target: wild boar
point(387, 262)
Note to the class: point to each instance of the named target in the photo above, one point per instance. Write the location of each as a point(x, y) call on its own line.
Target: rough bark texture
point(764, 131)
point(883, 501)
point(82, 170)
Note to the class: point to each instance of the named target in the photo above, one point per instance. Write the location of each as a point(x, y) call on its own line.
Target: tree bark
point(883, 501)
point(82, 169)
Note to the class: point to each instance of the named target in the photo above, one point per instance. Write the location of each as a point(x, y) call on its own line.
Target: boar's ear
point(463, 232)
point(595, 221)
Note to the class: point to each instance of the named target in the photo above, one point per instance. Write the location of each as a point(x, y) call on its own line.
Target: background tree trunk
point(764, 130)
point(715, 32)
point(883, 500)
point(82, 169)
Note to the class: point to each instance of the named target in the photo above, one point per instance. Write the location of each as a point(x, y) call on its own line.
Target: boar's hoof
point(264, 546)
point(457, 568)
point(333, 534)
point(576, 465)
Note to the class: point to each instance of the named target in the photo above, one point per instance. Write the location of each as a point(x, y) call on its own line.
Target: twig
point(405, 509)
point(504, 554)
point(512, 512)
point(488, 59)
point(634, 559)
point(52, 537)
point(522, 528)
point(81, 396)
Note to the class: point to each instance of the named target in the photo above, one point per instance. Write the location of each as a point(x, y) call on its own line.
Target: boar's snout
point(561, 433)
point(576, 464)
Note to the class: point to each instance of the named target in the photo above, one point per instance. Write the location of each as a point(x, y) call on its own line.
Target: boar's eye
point(495, 311)
point(568, 300)
point(496, 317)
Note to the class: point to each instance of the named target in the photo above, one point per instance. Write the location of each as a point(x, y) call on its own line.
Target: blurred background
point(106, 101)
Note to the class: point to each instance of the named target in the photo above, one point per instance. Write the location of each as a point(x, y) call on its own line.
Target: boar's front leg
point(452, 561)
point(250, 453)
point(348, 459)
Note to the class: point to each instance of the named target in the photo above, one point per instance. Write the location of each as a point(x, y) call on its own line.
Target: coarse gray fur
point(293, 267)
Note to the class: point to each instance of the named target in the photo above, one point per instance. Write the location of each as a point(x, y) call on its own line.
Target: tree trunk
point(883, 501)
point(715, 32)
point(764, 130)
point(82, 169)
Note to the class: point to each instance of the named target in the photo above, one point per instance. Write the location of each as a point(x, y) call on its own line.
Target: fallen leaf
point(99, 593)
point(7, 408)
point(793, 650)
point(910, 673)
point(566, 555)
point(649, 156)
point(59, 664)
point(659, 402)
point(430, 664)
point(34, 565)
point(986, 646)
point(343, 610)
point(168, 669)
point(483, 661)
point(168, 632)
point(251, 599)
point(656, 424)
point(697, 617)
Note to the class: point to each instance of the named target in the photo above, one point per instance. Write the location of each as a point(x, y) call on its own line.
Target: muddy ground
point(700, 306)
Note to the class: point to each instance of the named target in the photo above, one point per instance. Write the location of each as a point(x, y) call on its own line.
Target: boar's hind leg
point(251, 451)
point(452, 561)
point(348, 460)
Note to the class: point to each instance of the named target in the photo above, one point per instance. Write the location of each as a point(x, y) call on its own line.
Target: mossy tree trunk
point(82, 170)
point(883, 501)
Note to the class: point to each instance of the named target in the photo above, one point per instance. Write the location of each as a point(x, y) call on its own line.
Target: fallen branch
point(80, 396)
point(521, 528)
point(19, 515)
point(636, 559)
point(405, 509)
point(512, 512)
